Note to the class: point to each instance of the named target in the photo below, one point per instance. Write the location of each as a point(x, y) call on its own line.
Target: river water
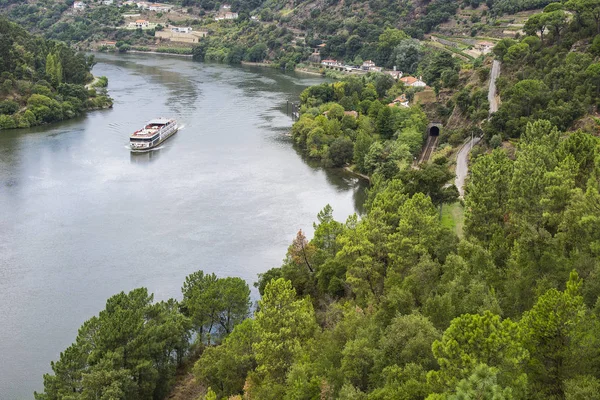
point(81, 218)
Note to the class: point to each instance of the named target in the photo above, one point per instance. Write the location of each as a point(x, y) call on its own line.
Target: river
point(82, 218)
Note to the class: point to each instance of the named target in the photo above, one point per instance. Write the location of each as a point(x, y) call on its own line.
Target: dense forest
point(43, 81)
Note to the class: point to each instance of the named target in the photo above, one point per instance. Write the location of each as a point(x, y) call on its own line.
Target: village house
point(108, 43)
point(181, 29)
point(484, 47)
point(367, 64)
point(227, 15)
point(395, 74)
point(160, 7)
point(79, 5)
point(413, 82)
point(399, 101)
point(157, 7)
point(140, 23)
point(331, 63)
point(108, 2)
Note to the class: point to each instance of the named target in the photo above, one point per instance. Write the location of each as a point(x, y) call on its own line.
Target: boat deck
point(145, 133)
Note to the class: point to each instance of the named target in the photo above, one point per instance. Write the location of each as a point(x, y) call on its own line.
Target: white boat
point(153, 134)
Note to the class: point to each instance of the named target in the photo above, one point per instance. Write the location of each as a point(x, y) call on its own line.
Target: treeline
point(132, 349)
point(393, 305)
point(553, 73)
point(42, 81)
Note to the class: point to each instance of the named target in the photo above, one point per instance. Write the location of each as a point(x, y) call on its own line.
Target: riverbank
point(160, 53)
point(350, 168)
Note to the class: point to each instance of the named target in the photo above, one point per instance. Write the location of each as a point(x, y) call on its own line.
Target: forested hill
point(42, 81)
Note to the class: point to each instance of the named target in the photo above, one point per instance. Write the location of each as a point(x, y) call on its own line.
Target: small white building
point(226, 6)
point(159, 7)
point(368, 65)
point(394, 74)
point(399, 101)
point(108, 2)
point(141, 23)
point(181, 29)
point(231, 15)
point(79, 5)
point(413, 82)
point(330, 63)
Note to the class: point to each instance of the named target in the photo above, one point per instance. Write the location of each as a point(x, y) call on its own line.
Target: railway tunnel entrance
point(434, 130)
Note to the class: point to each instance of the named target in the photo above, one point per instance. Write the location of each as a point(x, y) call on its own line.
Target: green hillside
point(42, 81)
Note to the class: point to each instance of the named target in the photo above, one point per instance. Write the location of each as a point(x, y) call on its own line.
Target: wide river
point(81, 218)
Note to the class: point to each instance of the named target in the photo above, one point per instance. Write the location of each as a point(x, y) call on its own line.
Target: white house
point(108, 2)
point(330, 63)
point(181, 29)
point(412, 81)
point(159, 7)
point(399, 101)
point(141, 23)
point(226, 6)
point(394, 74)
point(79, 5)
point(231, 15)
point(368, 65)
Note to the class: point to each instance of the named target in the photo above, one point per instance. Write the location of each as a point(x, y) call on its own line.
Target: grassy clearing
point(453, 217)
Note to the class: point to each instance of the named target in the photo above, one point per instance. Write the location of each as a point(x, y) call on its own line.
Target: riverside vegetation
point(389, 306)
point(43, 81)
point(394, 305)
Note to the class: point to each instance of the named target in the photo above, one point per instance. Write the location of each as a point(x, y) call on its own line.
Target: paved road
point(462, 165)
point(492, 90)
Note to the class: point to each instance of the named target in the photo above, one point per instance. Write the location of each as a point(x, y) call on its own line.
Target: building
point(182, 37)
point(368, 65)
point(412, 81)
point(181, 29)
point(108, 43)
point(394, 74)
point(79, 5)
point(231, 15)
point(484, 47)
point(141, 23)
point(226, 7)
point(330, 63)
point(108, 2)
point(399, 101)
point(157, 7)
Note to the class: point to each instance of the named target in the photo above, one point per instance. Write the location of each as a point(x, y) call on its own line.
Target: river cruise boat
point(153, 134)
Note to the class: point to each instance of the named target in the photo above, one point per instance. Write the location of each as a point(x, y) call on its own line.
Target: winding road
point(462, 164)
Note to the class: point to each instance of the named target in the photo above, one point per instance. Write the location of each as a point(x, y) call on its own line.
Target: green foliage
point(130, 350)
point(50, 76)
point(215, 305)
